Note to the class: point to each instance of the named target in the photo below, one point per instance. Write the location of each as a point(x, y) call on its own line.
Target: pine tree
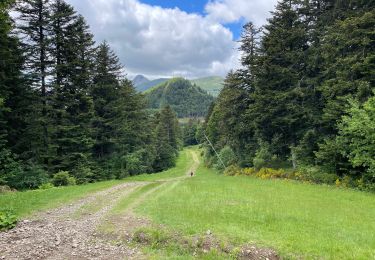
point(72, 107)
point(13, 102)
point(105, 91)
point(34, 21)
point(167, 139)
point(282, 111)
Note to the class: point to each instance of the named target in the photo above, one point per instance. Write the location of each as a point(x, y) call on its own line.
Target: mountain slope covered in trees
point(186, 99)
point(212, 85)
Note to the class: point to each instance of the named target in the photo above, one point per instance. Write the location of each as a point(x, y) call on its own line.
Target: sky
point(165, 38)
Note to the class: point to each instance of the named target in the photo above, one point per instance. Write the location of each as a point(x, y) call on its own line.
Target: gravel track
point(56, 234)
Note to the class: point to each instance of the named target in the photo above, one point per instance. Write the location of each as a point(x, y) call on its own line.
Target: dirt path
point(71, 231)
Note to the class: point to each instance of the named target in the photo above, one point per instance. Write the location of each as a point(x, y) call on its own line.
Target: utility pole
point(213, 148)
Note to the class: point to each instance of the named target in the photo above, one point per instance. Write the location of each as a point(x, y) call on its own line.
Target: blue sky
point(196, 6)
point(163, 38)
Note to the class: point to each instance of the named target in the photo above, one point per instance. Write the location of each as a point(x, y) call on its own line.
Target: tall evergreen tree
point(167, 139)
point(34, 26)
point(282, 111)
point(105, 91)
point(72, 107)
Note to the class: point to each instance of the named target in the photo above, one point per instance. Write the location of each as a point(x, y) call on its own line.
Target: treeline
point(305, 96)
point(65, 106)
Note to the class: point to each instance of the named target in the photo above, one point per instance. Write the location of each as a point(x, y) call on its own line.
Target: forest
point(185, 98)
point(304, 99)
point(67, 112)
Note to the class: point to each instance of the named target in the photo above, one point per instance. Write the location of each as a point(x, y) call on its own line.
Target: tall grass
point(296, 219)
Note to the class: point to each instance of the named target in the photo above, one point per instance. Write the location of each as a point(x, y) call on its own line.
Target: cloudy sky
point(163, 38)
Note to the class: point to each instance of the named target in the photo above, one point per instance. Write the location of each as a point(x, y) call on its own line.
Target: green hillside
point(212, 85)
point(185, 98)
point(150, 84)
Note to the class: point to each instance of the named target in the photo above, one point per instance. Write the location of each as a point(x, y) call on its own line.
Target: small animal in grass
point(192, 174)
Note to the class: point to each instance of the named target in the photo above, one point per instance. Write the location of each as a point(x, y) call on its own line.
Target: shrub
point(227, 156)
point(46, 186)
point(30, 177)
point(63, 178)
point(263, 157)
point(248, 171)
point(232, 170)
point(83, 174)
point(7, 220)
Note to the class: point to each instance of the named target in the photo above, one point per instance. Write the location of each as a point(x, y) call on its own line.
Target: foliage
point(7, 220)
point(290, 103)
point(63, 178)
point(357, 137)
point(263, 157)
point(168, 136)
point(227, 156)
point(65, 104)
point(46, 186)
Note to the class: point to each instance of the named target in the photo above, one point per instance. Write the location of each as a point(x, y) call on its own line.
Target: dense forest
point(187, 99)
point(67, 113)
point(304, 98)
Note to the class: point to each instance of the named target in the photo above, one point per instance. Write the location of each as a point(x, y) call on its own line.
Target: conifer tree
point(34, 26)
point(105, 91)
point(167, 139)
point(281, 111)
point(72, 107)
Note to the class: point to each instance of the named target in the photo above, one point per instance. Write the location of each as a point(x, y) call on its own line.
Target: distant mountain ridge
point(212, 85)
point(185, 98)
point(139, 80)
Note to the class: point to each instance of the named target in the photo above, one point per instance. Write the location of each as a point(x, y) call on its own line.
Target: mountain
point(150, 84)
point(186, 99)
point(212, 85)
point(139, 80)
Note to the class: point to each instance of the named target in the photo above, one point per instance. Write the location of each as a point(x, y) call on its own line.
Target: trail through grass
point(28, 202)
point(296, 219)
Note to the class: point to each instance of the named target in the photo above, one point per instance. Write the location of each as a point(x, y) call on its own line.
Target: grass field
point(295, 219)
point(25, 203)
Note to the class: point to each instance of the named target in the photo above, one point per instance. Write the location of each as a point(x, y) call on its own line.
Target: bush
point(227, 156)
point(232, 170)
point(83, 174)
point(263, 157)
point(46, 186)
point(63, 178)
point(7, 220)
point(30, 177)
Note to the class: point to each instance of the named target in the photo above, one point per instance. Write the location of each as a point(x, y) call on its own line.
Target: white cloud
point(156, 42)
point(229, 11)
point(161, 42)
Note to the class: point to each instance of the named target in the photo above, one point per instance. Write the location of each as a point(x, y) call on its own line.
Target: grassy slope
point(294, 218)
point(212, 85)
point(25, 203)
